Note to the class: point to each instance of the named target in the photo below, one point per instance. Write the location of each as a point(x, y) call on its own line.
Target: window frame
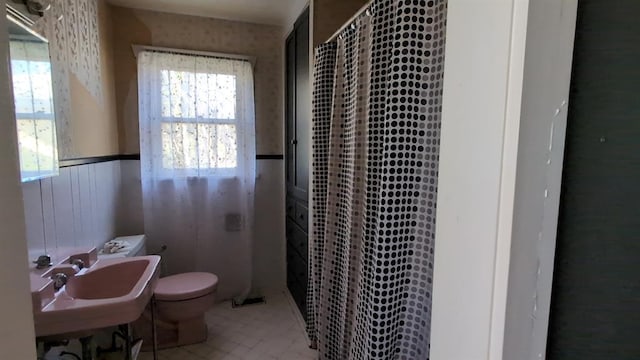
point(158, 121)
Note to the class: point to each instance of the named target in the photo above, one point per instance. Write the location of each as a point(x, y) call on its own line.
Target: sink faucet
point(59, 280)
point(43, 261)
point(78, 262)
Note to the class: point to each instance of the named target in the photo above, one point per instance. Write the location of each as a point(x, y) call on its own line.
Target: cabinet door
point(298, 109)
point(298, 151)
point(302, 108)
point(290, 128)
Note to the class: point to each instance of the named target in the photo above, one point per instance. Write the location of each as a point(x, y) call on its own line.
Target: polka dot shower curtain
point(376, 135)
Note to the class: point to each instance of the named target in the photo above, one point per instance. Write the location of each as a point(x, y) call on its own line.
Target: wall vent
point(233, 222)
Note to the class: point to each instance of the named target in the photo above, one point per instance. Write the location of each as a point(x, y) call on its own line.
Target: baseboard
point(249, 301)
point(297, 314)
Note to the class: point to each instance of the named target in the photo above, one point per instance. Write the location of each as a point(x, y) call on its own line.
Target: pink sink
point(109, 293)
point(107, 282)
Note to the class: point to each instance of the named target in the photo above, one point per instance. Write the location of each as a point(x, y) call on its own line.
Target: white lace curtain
point(197, 148)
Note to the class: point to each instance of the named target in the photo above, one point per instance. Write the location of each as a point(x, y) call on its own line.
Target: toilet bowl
point(181, 301)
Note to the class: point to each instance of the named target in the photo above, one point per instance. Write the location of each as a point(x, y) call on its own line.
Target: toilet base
point(181, 302)
point(170, 335)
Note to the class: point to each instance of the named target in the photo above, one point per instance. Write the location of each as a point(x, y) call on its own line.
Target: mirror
point(33, 96)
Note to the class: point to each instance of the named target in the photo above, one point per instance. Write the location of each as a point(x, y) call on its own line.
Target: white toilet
point(181, 302)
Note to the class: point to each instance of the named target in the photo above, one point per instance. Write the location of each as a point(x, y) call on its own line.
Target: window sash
point(198, 120)
point(36, 116)
point(191, 79)
point(198, 145)
point(159, 120)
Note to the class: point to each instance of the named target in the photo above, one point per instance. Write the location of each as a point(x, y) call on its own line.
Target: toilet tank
point(134, 246)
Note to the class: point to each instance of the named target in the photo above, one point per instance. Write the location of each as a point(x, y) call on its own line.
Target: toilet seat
point(185, 286)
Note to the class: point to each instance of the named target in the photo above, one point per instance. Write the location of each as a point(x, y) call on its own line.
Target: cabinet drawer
point(302, 216)
point(297, 279)
point(291, 207)
point(299, 294)
point(298, 239)
point(297, 268)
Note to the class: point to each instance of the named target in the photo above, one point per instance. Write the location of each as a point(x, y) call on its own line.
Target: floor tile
point(269, 331)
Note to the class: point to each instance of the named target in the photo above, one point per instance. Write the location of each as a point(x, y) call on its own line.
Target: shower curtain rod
point(139, 48)
point(350, 21)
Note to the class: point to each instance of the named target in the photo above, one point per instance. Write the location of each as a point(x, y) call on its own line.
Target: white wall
point(78, 208)
point(293, 13)
point(131, 217)
point(550, 34)
point(269, 250)
point(480, 84)
point(507, 70)
point(16, 328)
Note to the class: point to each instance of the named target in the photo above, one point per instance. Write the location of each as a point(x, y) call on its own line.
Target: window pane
point(37, 146)
point(45, 131)
point(28, 139)
point(216, 95)
point(218, 146)
point(178, 94)
point(198, 145)
point(32, 86)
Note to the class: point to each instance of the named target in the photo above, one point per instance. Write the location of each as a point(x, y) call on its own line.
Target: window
point(198, 120)
point(33, 96)
point(197, 116)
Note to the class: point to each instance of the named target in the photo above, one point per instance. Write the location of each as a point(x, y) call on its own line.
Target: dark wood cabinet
point(298, 155)
point(298, 110)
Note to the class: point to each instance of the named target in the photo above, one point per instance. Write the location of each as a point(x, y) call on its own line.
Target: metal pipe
point(154, 337)
point(128, 343)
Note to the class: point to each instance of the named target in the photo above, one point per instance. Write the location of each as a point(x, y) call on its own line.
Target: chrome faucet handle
point(59, 280)
point(43, 261)
point(78, 262)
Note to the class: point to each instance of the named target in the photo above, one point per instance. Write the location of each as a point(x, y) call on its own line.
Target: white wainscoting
point(269, 245)
point(131, 215)
point(269, 266)
point(77, 208)
point(88, 205)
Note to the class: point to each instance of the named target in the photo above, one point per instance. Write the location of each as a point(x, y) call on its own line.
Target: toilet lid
point(185, 286)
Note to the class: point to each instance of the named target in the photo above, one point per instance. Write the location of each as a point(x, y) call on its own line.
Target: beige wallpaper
point(144, 27)
point(79, 33)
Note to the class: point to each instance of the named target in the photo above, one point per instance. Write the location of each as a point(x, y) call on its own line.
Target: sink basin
point(111, 292)
point(107, 282)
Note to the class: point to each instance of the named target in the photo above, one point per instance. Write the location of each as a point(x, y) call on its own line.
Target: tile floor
point(264, 331)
